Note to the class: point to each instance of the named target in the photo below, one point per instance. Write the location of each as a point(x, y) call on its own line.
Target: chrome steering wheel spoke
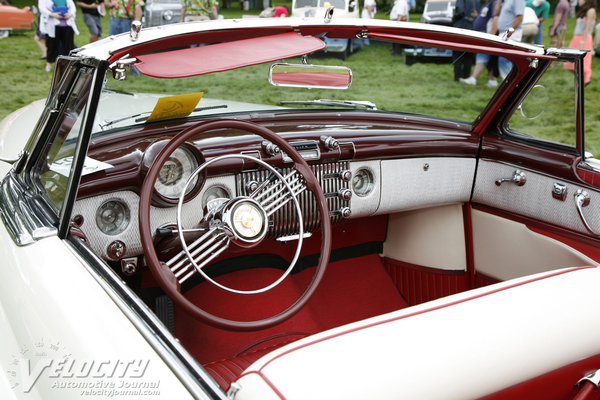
point(275, 195)
point(202, 251)
point(242, 220)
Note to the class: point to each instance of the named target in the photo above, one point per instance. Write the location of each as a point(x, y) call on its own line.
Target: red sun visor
point(226, 56)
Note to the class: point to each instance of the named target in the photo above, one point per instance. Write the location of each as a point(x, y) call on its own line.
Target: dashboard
point(363, 170)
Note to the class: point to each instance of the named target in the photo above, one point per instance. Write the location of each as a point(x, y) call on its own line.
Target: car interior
point(386, 236)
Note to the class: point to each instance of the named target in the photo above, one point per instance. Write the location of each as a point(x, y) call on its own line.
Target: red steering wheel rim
point(165, 277)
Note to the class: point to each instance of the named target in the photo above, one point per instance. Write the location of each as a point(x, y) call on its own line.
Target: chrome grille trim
point(285, 220)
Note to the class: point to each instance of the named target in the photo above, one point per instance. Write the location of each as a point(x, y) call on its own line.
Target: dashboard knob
point(116, 250)
point(330, 143)
point(345, 175)
point(345, 194)
point(345, 212)
point(271, 149)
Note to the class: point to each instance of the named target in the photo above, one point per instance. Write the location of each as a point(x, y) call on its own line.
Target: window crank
point(518, 179)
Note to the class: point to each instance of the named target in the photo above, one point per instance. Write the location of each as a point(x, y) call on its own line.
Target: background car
point(342, 9)
point(12, 18)
point(161, 12)
point(247, 219)
point(435, 12)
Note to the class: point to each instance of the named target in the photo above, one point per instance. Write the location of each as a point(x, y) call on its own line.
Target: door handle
point(582, 199)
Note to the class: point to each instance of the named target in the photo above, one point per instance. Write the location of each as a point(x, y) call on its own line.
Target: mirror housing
point(310, 76)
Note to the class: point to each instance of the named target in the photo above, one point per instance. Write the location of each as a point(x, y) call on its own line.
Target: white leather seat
point(462, 346)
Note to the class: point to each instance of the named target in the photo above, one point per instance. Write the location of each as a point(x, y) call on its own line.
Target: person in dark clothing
point(465, 13)
point(92, 10)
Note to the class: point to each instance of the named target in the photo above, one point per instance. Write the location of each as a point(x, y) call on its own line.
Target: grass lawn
point(24, 80)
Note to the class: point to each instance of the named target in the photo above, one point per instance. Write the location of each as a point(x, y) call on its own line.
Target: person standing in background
point(57, 22)
point(92, 10)
point(542, 10)
point(122, 14)
point(582, 36)
point(368, 12)
point(484, 23)
point(465, 13)
point(530, 25)
point(411, 6)
point(198, 10)
point(559, 25)
point(510, 15)
point(39, 37)
point(369, 9)
point(399, 13)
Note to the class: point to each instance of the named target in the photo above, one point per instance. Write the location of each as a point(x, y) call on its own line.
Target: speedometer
point(174, 174)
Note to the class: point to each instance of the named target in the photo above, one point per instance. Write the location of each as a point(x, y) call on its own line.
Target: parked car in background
point(437, 12)
point(161, 12)
point(246, 220)
point(13, 18)
point(342, 9)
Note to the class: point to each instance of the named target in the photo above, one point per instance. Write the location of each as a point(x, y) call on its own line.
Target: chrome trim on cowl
point(18, 213)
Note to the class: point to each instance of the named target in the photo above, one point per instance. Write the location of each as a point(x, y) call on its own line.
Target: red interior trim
point(226, 56)
point(497, 290)
point(267, 381)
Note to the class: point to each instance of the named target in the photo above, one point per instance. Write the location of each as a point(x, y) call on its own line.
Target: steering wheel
point(242, 221)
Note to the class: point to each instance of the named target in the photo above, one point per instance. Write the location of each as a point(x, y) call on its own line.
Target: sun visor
point(226, 56)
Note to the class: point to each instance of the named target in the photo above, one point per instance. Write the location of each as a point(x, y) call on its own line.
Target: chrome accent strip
point(582, 199)
point(293, 237)
point(285, 222)
point(19, 215)
point(269, 172)
point(592, 377)
point(191, 374)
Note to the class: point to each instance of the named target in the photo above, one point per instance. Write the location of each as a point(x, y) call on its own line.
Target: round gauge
point(214, 192)
point(362, 182)
point(112, 217)
point(174, 174)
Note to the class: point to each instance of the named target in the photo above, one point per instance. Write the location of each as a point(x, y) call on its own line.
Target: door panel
point(539, 210)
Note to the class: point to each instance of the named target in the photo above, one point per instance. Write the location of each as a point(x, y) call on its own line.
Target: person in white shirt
point(399, 13)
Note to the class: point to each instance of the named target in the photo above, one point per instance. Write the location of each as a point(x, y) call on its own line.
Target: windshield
point(418, 81)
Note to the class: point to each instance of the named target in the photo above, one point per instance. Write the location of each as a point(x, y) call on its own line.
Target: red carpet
point(351, 290)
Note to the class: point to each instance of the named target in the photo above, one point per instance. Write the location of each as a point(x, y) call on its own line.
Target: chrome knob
point(345, 175)
point(251, 186)
point(345, 194)
point(518, 179)
point(345, 212)
point(270, 148)
point(116, 250)
point(329, 142)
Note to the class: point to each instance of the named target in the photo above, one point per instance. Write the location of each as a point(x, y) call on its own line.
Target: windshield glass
point(395, 79)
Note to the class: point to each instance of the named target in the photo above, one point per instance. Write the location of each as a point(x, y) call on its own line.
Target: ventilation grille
point(285, 220)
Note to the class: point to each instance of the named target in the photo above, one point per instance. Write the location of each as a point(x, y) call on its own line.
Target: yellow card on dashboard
point(172, 107)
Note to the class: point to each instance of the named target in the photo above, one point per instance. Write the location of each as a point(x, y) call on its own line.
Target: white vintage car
point(248, 218)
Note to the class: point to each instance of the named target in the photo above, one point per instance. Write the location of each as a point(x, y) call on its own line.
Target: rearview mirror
point(310, 76)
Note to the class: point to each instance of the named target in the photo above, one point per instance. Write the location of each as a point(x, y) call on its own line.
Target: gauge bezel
point(226, 189)
point(159, 199)
point(370, 184)
point(122, 227)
